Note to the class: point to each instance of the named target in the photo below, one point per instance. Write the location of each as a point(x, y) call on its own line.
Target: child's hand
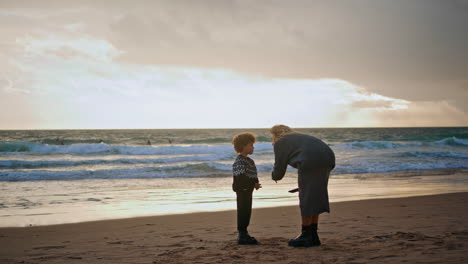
point(258, 186)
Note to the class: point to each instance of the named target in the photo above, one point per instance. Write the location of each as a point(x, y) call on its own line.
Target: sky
point(233, 64)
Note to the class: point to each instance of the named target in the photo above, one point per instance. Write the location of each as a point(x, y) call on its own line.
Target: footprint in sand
point(49, 247)
point(129, 242)
point(74, 257)
point(179, 236)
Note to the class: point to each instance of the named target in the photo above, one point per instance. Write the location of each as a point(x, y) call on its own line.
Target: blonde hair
point(279, 131)
point(241, 140)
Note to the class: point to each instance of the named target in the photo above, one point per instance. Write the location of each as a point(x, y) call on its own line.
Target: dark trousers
point(244, 210)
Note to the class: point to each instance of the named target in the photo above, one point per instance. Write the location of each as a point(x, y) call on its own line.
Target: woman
point(314, 160)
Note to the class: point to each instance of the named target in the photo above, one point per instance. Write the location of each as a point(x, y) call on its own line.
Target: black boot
point(308, 238)
point(246, 239)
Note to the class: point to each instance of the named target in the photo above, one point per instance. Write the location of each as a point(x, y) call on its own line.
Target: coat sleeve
point(281, 163)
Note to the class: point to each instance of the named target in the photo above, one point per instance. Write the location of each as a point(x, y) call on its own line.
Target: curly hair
point(241, 140)
point(279, 131)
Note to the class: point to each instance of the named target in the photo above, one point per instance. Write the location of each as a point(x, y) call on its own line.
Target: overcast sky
point(219, 63)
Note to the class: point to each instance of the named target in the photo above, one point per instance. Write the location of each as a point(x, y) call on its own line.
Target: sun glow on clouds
point(76, 83)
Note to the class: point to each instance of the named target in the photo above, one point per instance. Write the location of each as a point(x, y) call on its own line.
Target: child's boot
point(308, 238)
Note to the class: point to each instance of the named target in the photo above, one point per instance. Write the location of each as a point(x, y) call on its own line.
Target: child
point(244, 181)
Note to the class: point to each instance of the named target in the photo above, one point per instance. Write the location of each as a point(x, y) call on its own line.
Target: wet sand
point(423, 229)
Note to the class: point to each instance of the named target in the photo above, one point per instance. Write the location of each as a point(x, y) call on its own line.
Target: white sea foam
point(125, 150)
point(453, 141)
point(13, 164)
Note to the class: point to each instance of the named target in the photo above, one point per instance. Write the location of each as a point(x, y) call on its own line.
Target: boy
point(244, 181)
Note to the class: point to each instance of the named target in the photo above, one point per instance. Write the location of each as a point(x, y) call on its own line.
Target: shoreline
point(230, 211)
point(420, 229)
point(59, 202)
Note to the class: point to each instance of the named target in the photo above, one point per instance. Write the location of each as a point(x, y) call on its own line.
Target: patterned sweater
point(244, 174)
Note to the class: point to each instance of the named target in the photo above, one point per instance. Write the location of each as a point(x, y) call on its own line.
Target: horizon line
point(201, 128)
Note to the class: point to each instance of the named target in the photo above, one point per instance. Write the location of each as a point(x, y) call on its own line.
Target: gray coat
point(303, 152)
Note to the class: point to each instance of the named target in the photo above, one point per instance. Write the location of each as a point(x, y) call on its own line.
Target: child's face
point(248, 149)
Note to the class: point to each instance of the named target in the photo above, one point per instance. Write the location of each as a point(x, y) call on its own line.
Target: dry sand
point(425, 229)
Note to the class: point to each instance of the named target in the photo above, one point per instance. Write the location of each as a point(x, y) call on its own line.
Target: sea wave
point(429, 154)
point(364, 168)
point(453, 141)
point(376, 145)
point(34, 161)
point(207, 169)
point(103, 148)
point(373, 145)
point(31, 164)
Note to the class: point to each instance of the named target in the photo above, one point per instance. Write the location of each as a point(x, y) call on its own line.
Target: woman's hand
point(258, 186)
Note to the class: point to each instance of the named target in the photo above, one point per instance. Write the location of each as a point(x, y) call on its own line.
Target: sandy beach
point(423, 229)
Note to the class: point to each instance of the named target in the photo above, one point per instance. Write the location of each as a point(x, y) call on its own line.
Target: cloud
point(89, 90)
point(191, 64)
point(424, 114)
point(395, 48)
point(63, 45)
point(386, 104)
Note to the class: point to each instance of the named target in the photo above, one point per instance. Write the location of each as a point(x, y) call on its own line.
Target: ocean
point(64, 176)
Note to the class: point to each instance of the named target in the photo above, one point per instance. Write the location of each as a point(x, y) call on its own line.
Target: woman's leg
point(313, 200)
point(310, 220)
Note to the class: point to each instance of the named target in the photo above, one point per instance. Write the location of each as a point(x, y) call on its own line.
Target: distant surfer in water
point(59, 141)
